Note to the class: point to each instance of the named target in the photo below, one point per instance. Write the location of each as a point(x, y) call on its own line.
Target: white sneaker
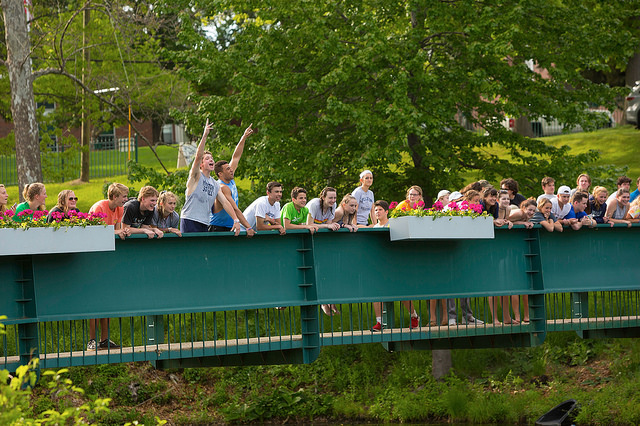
point(472, 321)
point(453, 322)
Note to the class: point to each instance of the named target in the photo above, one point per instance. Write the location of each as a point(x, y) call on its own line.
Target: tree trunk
point(441, 363)
point(23, 105)
point(633, 70)
point(85, 136)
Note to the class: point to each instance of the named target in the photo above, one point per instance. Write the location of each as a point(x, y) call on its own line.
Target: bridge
point(217, 300)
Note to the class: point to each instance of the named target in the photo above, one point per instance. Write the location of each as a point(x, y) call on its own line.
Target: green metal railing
point(214, 299)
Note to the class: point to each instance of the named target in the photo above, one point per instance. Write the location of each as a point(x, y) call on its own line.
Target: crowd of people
point(211, 205)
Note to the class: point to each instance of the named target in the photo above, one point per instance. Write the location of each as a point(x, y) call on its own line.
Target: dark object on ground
point(560, 415)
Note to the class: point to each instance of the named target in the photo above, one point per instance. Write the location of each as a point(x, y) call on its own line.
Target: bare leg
point(432, 312)
point(515, 303)
point(104, 328)
point(377, 308)
point(92, 328)
point(525, 308)
point(409, 305)
point(443, 312)
point(506, 316)
point(494, 305)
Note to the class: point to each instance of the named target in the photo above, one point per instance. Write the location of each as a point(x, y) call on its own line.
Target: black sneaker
point(108, 344)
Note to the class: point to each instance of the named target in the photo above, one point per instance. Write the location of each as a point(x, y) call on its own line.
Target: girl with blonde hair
point(165, 216)
point(35, 195)
point(67, 202)
point(346, 213)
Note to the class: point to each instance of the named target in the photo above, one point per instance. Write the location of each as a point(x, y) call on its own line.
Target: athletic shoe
point(377, 327)
point(415, 322)
point(472, 321)
point(91, 345)
point(108, 344)
point(453, 322)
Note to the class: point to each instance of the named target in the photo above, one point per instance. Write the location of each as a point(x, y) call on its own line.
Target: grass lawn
point(619, 146)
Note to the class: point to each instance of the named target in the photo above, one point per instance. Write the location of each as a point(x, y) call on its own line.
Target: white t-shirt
point(261, 208)
point(317, 214)
point(365, 201)
point(550, 197)
point(555, 209)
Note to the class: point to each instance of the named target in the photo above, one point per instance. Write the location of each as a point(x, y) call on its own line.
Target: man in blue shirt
point(220, 219)
point(577, 216)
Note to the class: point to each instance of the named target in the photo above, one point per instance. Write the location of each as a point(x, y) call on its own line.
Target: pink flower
point(393, 205)
point(9, 213)
point(437, 206)
point(38, 214)
point(414, 206)
point(420, 204)
point(453, 205)
point(476, 208)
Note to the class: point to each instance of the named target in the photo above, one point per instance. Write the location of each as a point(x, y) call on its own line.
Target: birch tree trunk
point(23, 105)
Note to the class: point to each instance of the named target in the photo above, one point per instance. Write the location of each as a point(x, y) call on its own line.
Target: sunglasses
point(73, 198)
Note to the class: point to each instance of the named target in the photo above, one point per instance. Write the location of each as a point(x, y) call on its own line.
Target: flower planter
point(52, 240)
point(454, 227)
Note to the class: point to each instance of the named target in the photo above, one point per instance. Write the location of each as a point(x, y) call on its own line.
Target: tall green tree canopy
point(334, 87)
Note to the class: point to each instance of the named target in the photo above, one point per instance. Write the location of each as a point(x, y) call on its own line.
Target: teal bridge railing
point(215, 300)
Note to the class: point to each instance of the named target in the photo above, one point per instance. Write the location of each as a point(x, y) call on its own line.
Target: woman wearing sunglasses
point(67, 202)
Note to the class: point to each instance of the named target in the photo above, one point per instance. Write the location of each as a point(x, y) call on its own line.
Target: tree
point(23, 107)
point(124, 39)
point(333, 87)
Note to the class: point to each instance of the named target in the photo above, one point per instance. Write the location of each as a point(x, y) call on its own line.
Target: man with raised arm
point(202, 192)
point(264, 213)
point(220, 219)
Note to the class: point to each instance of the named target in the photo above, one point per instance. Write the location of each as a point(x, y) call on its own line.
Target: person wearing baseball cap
point(560, 207)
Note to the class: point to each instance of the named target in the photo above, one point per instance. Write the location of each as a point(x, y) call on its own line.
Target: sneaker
point(453, 322)
point(472, 321)
point(108, 344)
point(415, 322)
point(377, 327)
point(91, 345)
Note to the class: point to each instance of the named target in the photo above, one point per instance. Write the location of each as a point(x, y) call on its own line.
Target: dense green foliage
point(366, 383)
point(335, 87)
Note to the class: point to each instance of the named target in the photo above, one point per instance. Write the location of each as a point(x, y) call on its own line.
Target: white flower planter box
point(454, 227)
point(50, 240)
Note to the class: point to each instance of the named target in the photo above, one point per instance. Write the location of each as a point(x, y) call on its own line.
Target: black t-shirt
point(518, 199)
point(134, 217)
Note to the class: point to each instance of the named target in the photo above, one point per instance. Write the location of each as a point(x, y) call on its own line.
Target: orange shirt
point(113, 216)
